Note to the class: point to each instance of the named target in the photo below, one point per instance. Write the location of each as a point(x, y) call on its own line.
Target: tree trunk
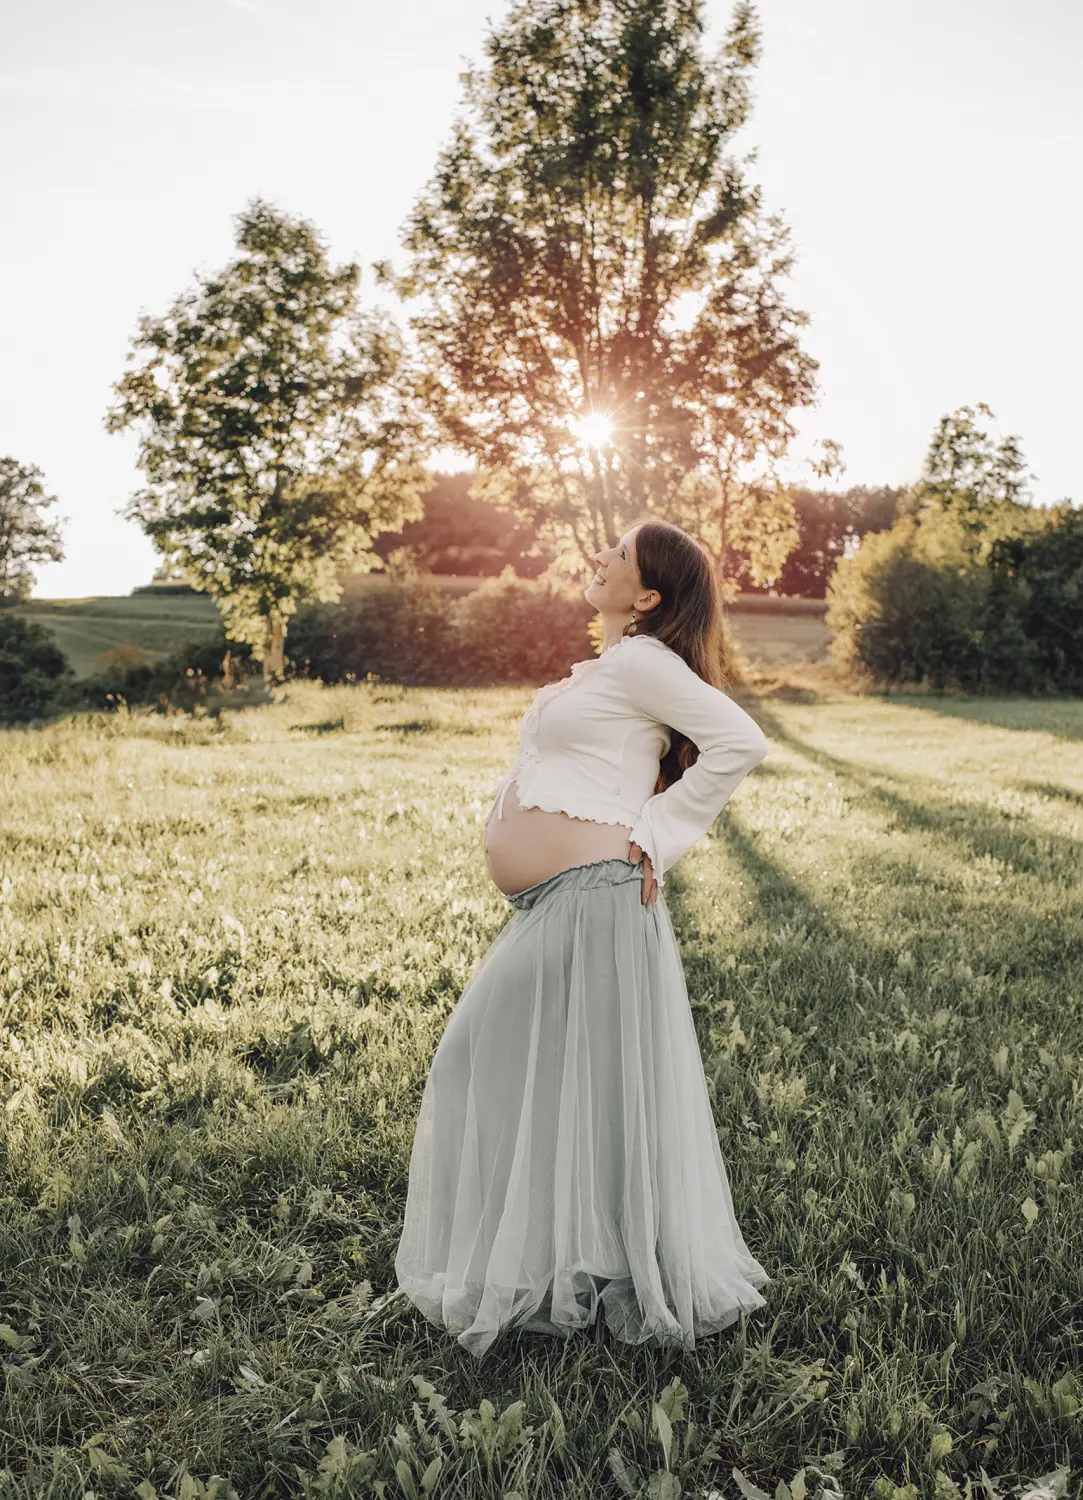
point(722, 538)
point(723, 518)
point(604, 500)
point(274, 649)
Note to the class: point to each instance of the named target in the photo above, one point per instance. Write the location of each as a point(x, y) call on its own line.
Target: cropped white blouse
point(590, 746)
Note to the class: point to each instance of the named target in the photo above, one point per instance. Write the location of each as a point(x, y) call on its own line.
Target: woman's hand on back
point(650, 885)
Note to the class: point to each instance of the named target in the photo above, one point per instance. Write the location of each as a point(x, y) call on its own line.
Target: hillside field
point(86, 630)
point(229, 948)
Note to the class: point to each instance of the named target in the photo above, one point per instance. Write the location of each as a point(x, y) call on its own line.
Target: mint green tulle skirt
point(566, 1158)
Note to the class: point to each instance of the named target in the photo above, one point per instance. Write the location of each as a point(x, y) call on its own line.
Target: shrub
point(908, 606)
point(34, 672)
point(398, 631)
point(513, 629)
point(508, 629)
point(181, 678)
point(941, 602)
point(404, 630)
point(1036, 614)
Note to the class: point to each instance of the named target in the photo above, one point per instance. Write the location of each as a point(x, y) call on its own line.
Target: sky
point(926, 158)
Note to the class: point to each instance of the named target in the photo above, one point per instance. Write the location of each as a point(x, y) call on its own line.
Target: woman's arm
point(661, 685)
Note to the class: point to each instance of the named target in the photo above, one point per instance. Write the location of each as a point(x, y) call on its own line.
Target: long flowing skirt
point(565, 1152)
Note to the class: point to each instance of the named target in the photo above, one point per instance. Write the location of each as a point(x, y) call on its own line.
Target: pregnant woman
point(565, 1166)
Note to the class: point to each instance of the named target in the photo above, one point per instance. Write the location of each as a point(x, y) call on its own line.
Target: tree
point(830, 524)
point(589, 254)
point(273, 436)
point(971, 586)
point(971, 477)
point(26, 537)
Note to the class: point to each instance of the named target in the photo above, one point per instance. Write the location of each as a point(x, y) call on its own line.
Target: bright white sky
point(927, 158)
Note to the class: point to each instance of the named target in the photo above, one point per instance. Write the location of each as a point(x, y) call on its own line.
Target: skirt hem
point(624, 1315)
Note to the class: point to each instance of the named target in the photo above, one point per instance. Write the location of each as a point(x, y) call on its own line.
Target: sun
point(595, 429)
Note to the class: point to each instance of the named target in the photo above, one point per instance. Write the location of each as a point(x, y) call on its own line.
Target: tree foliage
point(27, 537)
point(1036, 602)
point(272, 434)
point(830, 524)
point(909, 605)
point(972, 587)
point(589, 244)
point(459, 533)
point(33, 669)
point(971, 476)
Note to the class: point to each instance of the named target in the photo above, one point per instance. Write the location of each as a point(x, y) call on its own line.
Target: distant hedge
point(506, 630)
point(932, 602)
point(163, 590)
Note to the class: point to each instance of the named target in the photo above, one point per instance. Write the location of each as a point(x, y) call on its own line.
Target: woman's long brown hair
point(688, 619)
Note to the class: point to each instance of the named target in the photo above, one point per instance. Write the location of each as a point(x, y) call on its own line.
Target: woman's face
point(617, 586)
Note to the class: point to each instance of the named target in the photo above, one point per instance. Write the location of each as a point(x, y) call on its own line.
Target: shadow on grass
point(326, 726)
point(1050, 789)
point(1062, 717)
point(984, 831)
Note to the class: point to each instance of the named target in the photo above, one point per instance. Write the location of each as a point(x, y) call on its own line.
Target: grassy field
point(229, 947)
point(87, 630)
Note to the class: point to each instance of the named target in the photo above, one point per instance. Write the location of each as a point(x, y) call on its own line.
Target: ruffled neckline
point(579, 667)
point(529, 723)
point(589, 663)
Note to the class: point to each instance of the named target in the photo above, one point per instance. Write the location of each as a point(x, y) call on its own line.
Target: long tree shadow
point(1050, 789)
point(809, 982)
point(985, 831)
point(893, 1061)
point(830, 959)
point(1062, 717)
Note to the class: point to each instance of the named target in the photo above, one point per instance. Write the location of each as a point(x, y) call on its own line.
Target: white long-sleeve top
point(590, 746)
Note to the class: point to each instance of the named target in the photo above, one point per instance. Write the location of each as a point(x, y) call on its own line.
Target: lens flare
point(595, 429)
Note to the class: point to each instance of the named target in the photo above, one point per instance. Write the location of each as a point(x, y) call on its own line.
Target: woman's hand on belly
point(650, 885)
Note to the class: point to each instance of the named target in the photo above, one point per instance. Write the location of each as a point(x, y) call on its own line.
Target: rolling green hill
point(86, 630)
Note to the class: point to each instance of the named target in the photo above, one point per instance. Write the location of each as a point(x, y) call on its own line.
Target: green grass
point(229, 947)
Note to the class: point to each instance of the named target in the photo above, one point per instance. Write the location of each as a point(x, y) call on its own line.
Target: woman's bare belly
point(528, 844)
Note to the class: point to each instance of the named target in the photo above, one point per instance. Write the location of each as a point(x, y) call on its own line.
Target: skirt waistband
point(580, 878)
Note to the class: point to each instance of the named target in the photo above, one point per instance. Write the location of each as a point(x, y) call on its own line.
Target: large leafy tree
point(590, 248)
point(966, 470)
point(27, 537)
point(273, 432)
point(978, 482)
